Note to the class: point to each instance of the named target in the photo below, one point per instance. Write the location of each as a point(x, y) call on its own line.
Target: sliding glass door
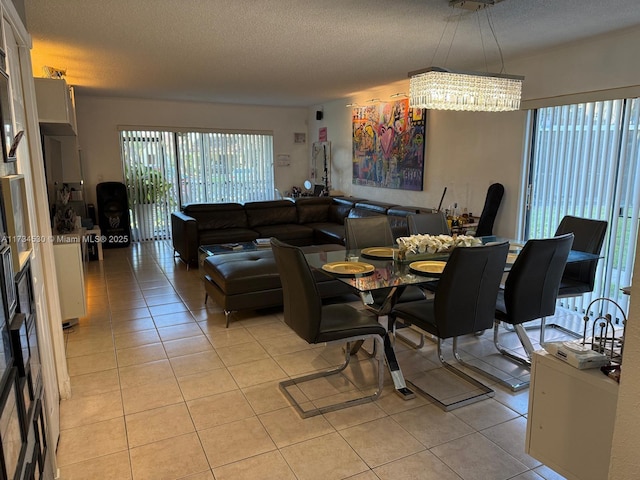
point(585, 162)
point(165, 170)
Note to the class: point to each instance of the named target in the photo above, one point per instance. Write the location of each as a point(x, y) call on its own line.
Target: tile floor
point(162, 390)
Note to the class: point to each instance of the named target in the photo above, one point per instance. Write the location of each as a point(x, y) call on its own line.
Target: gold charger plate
point(348, 268)
point(431, 267)
point(378, 252)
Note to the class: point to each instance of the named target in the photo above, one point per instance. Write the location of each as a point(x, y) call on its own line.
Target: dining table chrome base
point(392, 363)
point(381, 310)
point(394, 369)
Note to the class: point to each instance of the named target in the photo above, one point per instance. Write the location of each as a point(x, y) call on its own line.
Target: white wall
point(465, 152)
point(99, 118)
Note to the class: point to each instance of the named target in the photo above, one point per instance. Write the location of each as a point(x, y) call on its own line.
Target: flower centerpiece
point(415, 245)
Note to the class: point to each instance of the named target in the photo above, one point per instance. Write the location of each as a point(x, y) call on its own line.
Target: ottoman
point(250, 280)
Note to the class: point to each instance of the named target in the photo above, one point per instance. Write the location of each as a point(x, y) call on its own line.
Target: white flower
point(417, 244)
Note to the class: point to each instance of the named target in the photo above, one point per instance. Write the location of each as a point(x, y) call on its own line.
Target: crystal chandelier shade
point(440, 89)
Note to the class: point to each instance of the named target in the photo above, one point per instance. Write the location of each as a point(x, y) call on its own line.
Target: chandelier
point(439, 89)
point(443, 89)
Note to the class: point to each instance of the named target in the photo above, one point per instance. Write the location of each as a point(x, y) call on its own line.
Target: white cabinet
point(70, 274)
point(56, 109)
point(571, 418)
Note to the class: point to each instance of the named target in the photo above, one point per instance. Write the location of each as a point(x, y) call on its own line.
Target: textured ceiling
point(290, 52)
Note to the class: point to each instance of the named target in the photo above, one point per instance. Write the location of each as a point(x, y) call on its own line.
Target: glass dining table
point(375, 270)
point(368, 271)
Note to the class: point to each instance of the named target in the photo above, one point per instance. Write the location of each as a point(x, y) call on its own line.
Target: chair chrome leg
point(396, 334)
point(407, 340)
point(227, 317)
point(325, 373)
point(520, 332)
point(514, 384)
point(543, 325)
point(525, 341)
point(358, 346)
point(485, 392)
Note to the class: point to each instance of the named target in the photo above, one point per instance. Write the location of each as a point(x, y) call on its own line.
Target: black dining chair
point(492, 202)
point(317, 323)
point(530, 292)
point(428, 224)
point(375, 231)
point(464, 303)
point(579, 278)
point(363, 232)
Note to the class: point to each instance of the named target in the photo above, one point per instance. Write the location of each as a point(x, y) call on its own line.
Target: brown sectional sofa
point(305, 221)
point(249, 280)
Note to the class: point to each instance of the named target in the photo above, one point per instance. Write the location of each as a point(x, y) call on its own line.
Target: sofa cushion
point(367, 208)
point(313, 209)
point(328, 233)
point(274, 212)
point(291, 233)
point(227, 235)
point(397, 217)
point(402, 211)
point(217, 215)
point(340, 208)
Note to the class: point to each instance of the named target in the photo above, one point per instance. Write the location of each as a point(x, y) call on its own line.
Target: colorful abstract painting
point(388, 145)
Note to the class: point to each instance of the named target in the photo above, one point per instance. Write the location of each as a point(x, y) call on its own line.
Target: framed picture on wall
point(3, 223)
point(14, 194)
point(25, 291)
point(20, 343)
point(34, 356)
point(7, 120)
point(6, 357)
point(7, 284)
point(41, 437)
point(12, 433)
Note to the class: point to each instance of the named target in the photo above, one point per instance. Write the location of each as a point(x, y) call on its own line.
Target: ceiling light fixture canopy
point(438, 88)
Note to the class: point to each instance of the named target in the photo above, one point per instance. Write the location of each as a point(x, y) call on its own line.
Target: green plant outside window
point(147, 185)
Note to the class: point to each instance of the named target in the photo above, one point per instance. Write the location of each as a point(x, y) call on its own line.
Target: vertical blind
point(225, 167)
point(150, 176)
point(165, 170)
point(584, 162)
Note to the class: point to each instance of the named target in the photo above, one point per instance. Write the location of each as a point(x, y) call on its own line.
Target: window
point(225, 167)
point(165, 170)
point(586, 162)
